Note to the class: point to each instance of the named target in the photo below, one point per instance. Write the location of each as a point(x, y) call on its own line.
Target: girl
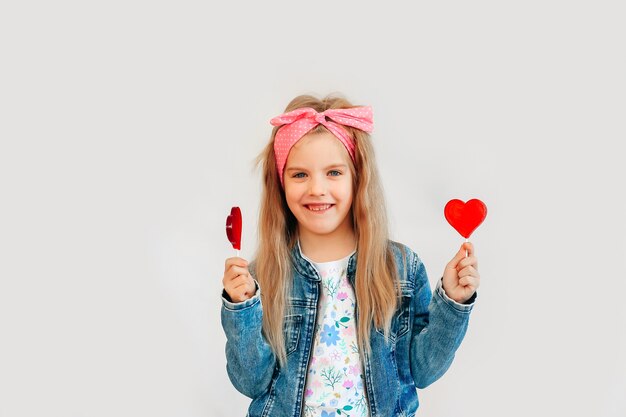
point(333, 318)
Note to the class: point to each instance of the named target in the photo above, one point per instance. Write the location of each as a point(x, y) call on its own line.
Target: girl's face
point(318, 185)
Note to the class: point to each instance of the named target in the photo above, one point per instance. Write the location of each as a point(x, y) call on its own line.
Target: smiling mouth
point(319, 208)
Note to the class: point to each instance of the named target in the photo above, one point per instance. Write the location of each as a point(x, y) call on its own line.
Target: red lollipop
point(465, 217)
point(233, 228)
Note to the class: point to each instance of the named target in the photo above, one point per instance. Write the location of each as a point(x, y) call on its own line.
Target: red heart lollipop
point(465, 217)
point(233, 227)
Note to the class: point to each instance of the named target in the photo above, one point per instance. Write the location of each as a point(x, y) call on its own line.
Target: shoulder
point(408, 263)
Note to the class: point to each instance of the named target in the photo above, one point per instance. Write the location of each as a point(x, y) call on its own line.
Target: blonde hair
point(376, 286)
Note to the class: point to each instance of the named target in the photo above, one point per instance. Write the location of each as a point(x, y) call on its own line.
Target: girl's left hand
point(461, 277)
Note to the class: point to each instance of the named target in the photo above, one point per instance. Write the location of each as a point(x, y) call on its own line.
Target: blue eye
point(297, 175)
point(333, 171)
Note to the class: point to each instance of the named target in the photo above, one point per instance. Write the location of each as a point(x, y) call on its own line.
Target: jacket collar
point(305, 268)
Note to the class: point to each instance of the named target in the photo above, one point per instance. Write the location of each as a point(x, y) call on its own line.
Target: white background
point(128, 130)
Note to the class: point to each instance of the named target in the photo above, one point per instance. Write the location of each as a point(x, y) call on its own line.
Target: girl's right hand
point(237, 280)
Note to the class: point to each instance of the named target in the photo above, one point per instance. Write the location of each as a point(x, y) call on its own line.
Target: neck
point(325, 248)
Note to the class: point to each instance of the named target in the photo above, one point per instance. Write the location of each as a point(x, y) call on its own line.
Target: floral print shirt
point(335, 383)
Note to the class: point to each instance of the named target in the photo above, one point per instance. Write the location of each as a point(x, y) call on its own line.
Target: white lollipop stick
point(466, 240)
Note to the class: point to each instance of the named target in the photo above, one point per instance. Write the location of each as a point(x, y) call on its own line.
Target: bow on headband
point(297, 123)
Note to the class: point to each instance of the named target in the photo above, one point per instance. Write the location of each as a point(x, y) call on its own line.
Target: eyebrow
point(344, 166)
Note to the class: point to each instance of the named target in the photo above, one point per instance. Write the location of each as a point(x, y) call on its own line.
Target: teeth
point(319, 208)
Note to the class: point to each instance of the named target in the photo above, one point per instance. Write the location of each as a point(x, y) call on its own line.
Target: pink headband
point(297, 123)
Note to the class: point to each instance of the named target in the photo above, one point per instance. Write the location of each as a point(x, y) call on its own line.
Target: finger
point(236, 289)
point(471, 260)
point(470, 282)
point(457, 258)
point(468, 270)
point(238, 296)
point(469, 247)
point(235, 260)
point(234, 272)
point(241, 280)
point(238, 268)
point(243, 291)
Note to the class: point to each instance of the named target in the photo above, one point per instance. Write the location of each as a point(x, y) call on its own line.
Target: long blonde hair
point(376, 286)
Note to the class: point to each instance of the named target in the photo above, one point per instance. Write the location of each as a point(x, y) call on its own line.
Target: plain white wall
point(128, 130)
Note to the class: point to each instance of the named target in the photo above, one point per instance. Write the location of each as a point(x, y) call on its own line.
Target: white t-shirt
point(335, 375)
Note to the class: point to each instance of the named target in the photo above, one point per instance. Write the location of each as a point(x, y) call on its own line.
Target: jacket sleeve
point(439, 325)
point(250, 360)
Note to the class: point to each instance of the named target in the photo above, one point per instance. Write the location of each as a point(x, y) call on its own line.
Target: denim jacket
point(426, 330)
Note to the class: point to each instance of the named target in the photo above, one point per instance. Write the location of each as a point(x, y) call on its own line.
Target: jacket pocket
point(291, 330)
point(400, 323)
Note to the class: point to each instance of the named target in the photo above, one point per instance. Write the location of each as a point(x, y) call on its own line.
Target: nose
point(317, 185)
